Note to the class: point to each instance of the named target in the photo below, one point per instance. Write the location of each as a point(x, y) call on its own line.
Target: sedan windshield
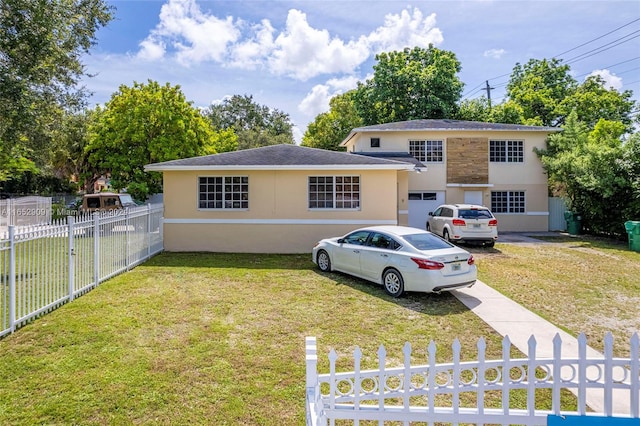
point(426, 241)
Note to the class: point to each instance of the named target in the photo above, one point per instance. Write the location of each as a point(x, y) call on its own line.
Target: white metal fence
point(432, 393)
point(42, 267)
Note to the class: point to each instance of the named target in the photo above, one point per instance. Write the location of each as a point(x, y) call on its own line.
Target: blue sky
point(295, 55)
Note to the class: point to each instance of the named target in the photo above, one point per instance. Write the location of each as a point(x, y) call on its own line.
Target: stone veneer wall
point(468, 160)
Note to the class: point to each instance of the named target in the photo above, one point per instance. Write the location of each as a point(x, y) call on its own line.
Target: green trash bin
point(633, 230)
point(574, 223)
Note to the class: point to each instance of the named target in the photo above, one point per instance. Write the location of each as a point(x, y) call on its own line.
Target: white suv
point(466, 223)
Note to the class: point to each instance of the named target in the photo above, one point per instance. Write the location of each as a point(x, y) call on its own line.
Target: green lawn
point(197, 338)
point(581, 284)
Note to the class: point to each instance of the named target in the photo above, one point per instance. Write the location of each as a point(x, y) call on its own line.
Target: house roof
point(447, 125)
point(404, 157)
point(281, 157)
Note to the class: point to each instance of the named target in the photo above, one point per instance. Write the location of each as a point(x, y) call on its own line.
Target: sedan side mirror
point(430, 213)
point(340, 240)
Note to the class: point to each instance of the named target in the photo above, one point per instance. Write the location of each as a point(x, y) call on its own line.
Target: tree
point(144, 124)
point(412, 84)
point(479, 110)
point(547, 93)
point(255, 125)
point(594, 171)
point(67, 151)
point(592, 101)
point(539, 87)
point(41, 43)
point(330, 128)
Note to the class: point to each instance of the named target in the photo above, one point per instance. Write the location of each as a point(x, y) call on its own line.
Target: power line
point(602, 48)
point(624, 39)
point(598, 38)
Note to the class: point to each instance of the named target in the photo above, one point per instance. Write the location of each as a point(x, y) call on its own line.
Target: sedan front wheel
point(393, 283)
point(324, 262)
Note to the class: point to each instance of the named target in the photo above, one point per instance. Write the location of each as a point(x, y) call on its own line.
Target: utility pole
point(489, 89)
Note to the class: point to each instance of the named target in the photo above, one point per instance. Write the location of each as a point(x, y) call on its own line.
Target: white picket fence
point(45, 266)
point(409, 393)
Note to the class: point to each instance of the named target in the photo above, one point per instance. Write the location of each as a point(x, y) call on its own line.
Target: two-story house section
point(492, 164)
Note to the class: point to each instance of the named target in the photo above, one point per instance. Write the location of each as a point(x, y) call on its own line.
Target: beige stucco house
point(277, 199)
point(467, 162)
point(284, 198)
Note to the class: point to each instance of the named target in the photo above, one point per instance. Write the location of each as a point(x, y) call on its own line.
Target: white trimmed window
point(506, 151)
point(223, 192)
point(507, 201)
point(334, 192)
point(426, 151)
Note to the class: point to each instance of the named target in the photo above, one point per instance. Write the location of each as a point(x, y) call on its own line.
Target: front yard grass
point(198, 338)
point(581, 284)
point(195, 338)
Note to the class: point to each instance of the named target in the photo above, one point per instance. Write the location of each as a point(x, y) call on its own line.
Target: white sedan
point(398, 257)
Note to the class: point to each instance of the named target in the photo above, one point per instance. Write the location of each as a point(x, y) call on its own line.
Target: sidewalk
point(509, 318)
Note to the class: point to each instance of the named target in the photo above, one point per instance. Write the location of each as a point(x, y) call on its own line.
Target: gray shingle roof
point(278, 156)
point(404, 157)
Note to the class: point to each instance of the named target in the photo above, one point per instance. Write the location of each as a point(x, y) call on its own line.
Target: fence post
point(127, 239)
point(12, 278)
point(71, 255)
point(96, 249)
point(148, 230)
point(313, 385)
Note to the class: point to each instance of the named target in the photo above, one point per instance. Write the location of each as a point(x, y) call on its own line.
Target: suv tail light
point(427, 264)
point(471, 260)
point(493, 222)
point(460, 222)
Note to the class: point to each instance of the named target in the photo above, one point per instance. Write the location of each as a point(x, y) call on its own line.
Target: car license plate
point(477, 225)
point(455, 266)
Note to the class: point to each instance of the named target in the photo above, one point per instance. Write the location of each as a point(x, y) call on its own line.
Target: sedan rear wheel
point(393, 282)
point(324, 262)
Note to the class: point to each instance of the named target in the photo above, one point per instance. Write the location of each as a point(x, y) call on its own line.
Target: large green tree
point(41, 44)
point(547, 93)
point(479, 109)
point(593, 101)
point(255, 125)
point(330, 128)
point(144, 124)
point(539, 86)
point(596, 171)
point(411, 84)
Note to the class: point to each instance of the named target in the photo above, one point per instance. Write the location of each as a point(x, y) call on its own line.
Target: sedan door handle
point(384, 255)
point(356, 251)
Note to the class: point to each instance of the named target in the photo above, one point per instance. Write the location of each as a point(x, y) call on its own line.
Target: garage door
point(420, 204)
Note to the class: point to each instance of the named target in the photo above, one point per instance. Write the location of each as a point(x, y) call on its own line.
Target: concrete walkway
point(511, 319)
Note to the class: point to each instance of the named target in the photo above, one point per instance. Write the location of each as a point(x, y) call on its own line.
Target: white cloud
point(252, 52)
point(494, 53)
point(298, 51)
point(303, 52)
point(317, 100)
point(406, 30)
point(196, 36)
point(610, 80)
point(151, 50)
